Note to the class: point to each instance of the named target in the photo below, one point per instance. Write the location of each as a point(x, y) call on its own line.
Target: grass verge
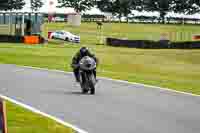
point(21, 120)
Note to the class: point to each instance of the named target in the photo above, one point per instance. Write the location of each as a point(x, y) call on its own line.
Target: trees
point(78, 5)
point(161, 6)
point(3, 4)
point(117, 7)
point(112, 6)
point(124, 7)
point(186, 6)
point(15, 4)
point(128, 5)
point(36, 4)
point(11, 4)
point(106, 6)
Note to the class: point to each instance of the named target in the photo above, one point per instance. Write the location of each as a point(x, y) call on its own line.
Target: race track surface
point(116, 108)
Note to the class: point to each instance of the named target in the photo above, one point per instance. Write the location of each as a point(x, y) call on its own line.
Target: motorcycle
point(87, 78)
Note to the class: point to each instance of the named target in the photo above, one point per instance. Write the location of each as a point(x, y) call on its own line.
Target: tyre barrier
point(21, 39)
point(11, 39)
point(149, 44)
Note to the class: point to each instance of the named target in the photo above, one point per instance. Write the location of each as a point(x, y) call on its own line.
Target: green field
point(23, 121)
point(175, 69)
point(90, 35)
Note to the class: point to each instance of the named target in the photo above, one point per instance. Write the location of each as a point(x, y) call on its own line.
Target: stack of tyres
point(31, 40)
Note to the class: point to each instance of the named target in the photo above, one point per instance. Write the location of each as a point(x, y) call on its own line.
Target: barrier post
point(3, 120)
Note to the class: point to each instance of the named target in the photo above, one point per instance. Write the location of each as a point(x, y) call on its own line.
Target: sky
point(49, 9)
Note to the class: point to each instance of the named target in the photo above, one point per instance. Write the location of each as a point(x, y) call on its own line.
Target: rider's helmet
point(84, 51)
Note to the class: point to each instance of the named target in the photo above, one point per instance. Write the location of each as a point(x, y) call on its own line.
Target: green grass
point(90, 35)
point(23, 121)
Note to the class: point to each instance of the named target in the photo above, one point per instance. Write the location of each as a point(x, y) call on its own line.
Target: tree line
point(123, 8)
point(10, 5)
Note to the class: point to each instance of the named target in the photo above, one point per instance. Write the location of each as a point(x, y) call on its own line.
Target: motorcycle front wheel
point(91, 80)
point(83, 84)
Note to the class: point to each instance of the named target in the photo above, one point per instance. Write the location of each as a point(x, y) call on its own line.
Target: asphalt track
point(117, 107)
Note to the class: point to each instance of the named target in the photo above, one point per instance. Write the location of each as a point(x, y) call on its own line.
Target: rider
point(84, 51)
